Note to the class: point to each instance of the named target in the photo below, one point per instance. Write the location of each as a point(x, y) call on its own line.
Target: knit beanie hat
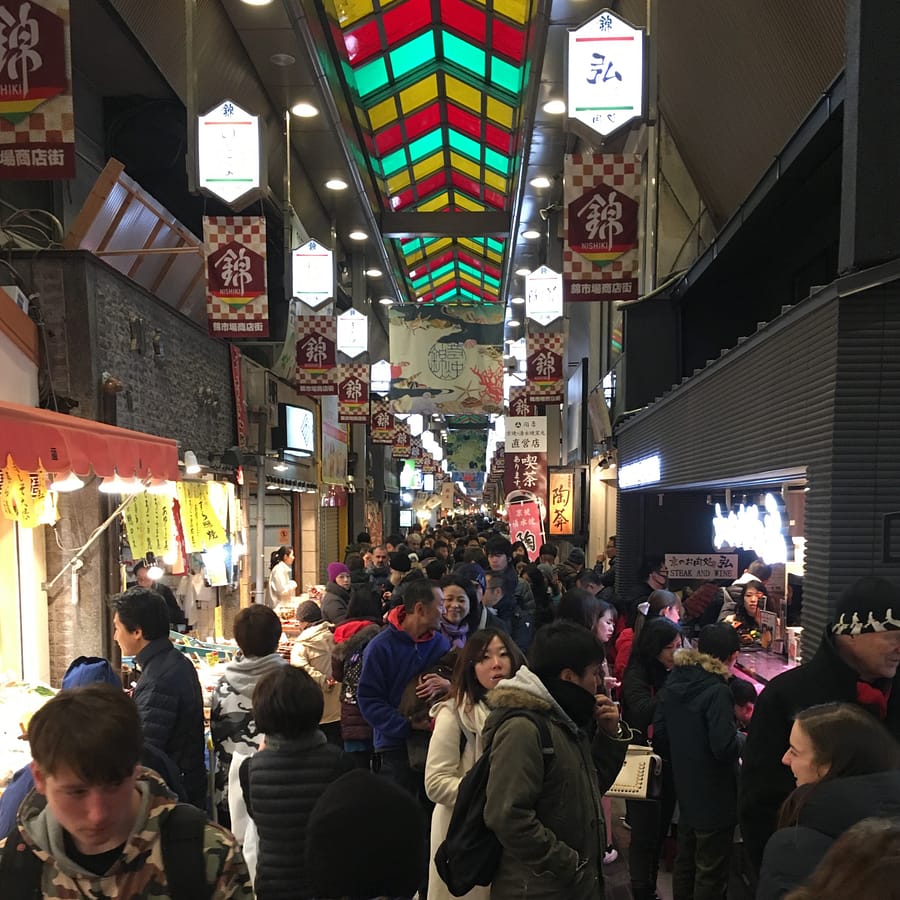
point(384, 826)
point(309, 611)
point(577, 556)
point(400, 562)
point(870, 604)
point(335, 569)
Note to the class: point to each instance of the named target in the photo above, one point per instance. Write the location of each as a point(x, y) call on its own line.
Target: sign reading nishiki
point(544, 377)
point(382, 423)
point(353, 393)
point(316, 355)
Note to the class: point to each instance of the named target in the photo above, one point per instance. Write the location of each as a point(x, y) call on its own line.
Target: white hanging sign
point(352, 333)
point(312, 273)
point(381, 377)
point(228, 157)
point(752, 529)
point(543, 295)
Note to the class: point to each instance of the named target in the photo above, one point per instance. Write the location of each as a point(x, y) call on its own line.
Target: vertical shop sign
point(601, 259)
point(447, 495)
point(353, 393)
point(37, 125)
point(312, 270)
point(352, 333)
point(543, 295)
point(544, 375)
point(561, 505)
point(382, 422)
point(149, 525)
point(335, 438)
point(523, 510)
point(228, 157)
point(518, 402)
point(525, 463)
point(237, 301)
point(402, 443)
point(416, 449)
point(316, 355)
point(202, 527)
point(240, 405)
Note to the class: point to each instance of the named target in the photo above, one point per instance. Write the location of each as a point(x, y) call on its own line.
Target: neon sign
point(642, 471)
point(752, 529)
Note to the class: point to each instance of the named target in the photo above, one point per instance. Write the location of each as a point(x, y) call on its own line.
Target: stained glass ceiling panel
point(438, 89)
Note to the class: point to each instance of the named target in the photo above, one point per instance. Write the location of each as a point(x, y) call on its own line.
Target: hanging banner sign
point(312, 269)
point(544, 376)
point(240, 404)
point(25, 496)
point(447, 495)
point(37, 125)
point(237, 302)
point(316, 355)
point(382, 423)
point(202, 527)
point(335, 440)
point(526, 472)
point(416, 449)
point(518, 403)
point(543, 295)
point(718, 566)
point(402, 443)
point(352, 333)
point(526, 435)
point(353, 393)
point(601, 257)
point(561, 511)
point(228, 157)
point(149, 525)
point(525, 515)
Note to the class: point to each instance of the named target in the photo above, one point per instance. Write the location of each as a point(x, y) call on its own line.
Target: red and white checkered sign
point(582, 278)
point(237, 301)
point(316, 355)
point(353, 393)
point(544, 379)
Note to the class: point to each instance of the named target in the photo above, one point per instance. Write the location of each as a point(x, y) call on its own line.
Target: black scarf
point(577, 703)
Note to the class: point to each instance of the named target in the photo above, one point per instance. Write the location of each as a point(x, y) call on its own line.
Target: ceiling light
point(155, 571)
point(513, 323)
point(517, 300)
point(531, 234)
point(280, 467)
point(358, 235)
point(113, 484)
point(542, 181)
point(282, 59)
point(555, 107)
point(161, 487)
point(304, 110)
point(386, 301)
point(191, 466)
point(374, 273)
point(257, 2)
point(336, 184)
point(70, 482)
point(523, 271)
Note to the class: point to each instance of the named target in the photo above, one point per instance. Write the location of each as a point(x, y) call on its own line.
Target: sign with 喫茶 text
point(702, 565)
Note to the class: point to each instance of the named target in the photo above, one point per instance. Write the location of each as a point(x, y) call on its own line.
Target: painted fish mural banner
point(466, 450)
point(446, 358)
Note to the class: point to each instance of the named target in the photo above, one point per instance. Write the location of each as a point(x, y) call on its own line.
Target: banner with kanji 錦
point(544, 374)
point(353, 393)
point(402, 442)
point(37, 124)
point(237, 301)
point(382, 422)
point(316, 355)
point(601, 256)
point(519, 404)
point(446, 358)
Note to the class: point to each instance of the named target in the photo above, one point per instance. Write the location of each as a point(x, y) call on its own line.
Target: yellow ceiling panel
point(428, 166)
point(398, 182)
point(517, 10)
point(495, 181)
point(419, 94)
point(436, 203)
point(465, 165)
point(382, 114)
point(463, 94)
point(500, 112)
point(465, 202)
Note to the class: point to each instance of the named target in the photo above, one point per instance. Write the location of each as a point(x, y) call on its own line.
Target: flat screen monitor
point(406, 518)
point(296, 430)
point(428, 482)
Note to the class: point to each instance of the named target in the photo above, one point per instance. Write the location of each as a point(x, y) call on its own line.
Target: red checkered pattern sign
point(353, 393)
point(237, 302)
point(544, 379)
point(616, 279)
point(316, 355)
point(518, 403)
point(402, 441)
point(37, 126)
point(382, 423)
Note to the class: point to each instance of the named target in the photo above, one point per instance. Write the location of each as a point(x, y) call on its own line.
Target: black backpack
point(470, 854)
point(182, 850)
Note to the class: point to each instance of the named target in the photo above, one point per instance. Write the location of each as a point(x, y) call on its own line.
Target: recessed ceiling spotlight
point(374, 273)
point(517, 300)
point(257, 2)
point(336, 184)
point(555, 107)
point(304, 110)
point(531, 234)
point(386, 301)
point(513, 323)
point(358, 235)
point(523, 271)
point(282, 59)
point(542, 181)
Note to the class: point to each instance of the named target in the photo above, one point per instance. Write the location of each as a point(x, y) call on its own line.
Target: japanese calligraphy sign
point(446, 358)
point(402, 441)
point(518, 403)
point(525, 463)
point(525, 521)
point(25, 496)
point(382, 425)
point(702, 565)
point(37, 126)
point(228, 157)
point(237, 301)
point(353, 393)
point(561, 503)
point(316, 355)
point(352, 333)
point(312, 268)
point(601, 260)
point(543, 295)
point(447, 495)
point(149, 524)
point(202, 527)
point(606, 73)
point(544, 373)
point(526, 435)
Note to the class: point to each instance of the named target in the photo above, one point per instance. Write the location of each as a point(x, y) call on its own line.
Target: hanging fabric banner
point(601, 258)
point(561, 512)
point(316, 355)
point(37, 125)
point(237, 302)
point(149, 525)
point(202, 527)
point(402, 441)
point(353, 393)
point(525, 465)
point(382, 422)
point(446, 359)
point(416, 449)
point(544, 376)
point(518, 402)
point(466, 450)
point(240, 404)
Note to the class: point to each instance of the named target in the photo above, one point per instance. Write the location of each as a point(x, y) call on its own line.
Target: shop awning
point(62, 443)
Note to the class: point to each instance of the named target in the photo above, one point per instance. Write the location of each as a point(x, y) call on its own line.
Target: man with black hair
point(167, 694)
point(695, 718)
point(177, 618)
point(516, 607)
point(545, 809)
point(589, 581)
point(547, 554)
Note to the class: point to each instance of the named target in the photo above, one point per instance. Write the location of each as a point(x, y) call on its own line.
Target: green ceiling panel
point(463, 54)
point(415, 53)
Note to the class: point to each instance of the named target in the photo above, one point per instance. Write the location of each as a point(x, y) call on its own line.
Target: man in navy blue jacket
point(408, 646)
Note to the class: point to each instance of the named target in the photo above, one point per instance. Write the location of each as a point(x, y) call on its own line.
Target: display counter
point(761, 666)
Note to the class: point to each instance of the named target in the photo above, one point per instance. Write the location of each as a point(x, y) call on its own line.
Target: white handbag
point(640, 777)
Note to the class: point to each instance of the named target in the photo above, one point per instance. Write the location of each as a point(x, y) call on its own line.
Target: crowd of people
point(337, 770)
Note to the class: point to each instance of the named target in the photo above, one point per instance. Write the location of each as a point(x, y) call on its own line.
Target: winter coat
point(170, 703)
point(444, 770)
point(312, 652)
point(831, 808)
point(281, 584)
point(390, 660)
point(334, 603)
point(765, 782)
point(623, 645)
point(138, 874)
point(350, 640)
point(695, 719)
point(231, 713)
point(640, 693)
point(546, 812)
point(281, 785)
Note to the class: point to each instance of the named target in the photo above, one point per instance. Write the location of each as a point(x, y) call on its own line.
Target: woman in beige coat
point(488, 658)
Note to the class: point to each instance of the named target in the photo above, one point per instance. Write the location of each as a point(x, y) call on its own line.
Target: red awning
point(62, 443)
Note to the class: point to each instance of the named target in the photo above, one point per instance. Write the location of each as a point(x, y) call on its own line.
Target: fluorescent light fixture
point(257, 2)
point(280, 467)
point(304, 110)
point(517, 300)
point(555, 107)
point(542, 181)
point(386, 301)
point(191, 466)
point(374, 273)
point(282, 59)
point(513, 323)
point(531, 234)
point(336, 184)
point(69, 482)
point(358, 235)
point(639, 472)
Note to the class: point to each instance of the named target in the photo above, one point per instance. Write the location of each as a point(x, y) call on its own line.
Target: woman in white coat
point(281, 581)
point(488, 657)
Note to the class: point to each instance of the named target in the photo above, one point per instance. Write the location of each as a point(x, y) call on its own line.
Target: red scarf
point(873, 697)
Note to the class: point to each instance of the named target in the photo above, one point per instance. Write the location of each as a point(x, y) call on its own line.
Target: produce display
point(19, 701)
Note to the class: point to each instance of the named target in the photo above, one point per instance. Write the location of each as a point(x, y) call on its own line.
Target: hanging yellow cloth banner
point(202, 526)
point(148, 520)
point(24, 496)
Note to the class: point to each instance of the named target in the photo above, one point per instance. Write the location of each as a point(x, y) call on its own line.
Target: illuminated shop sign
point(752, 528)
point(642, 471)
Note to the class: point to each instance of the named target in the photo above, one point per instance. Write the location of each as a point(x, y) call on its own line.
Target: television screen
point(428, 482)
point(410, 476)
point(297, 430)
point(406, 518)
